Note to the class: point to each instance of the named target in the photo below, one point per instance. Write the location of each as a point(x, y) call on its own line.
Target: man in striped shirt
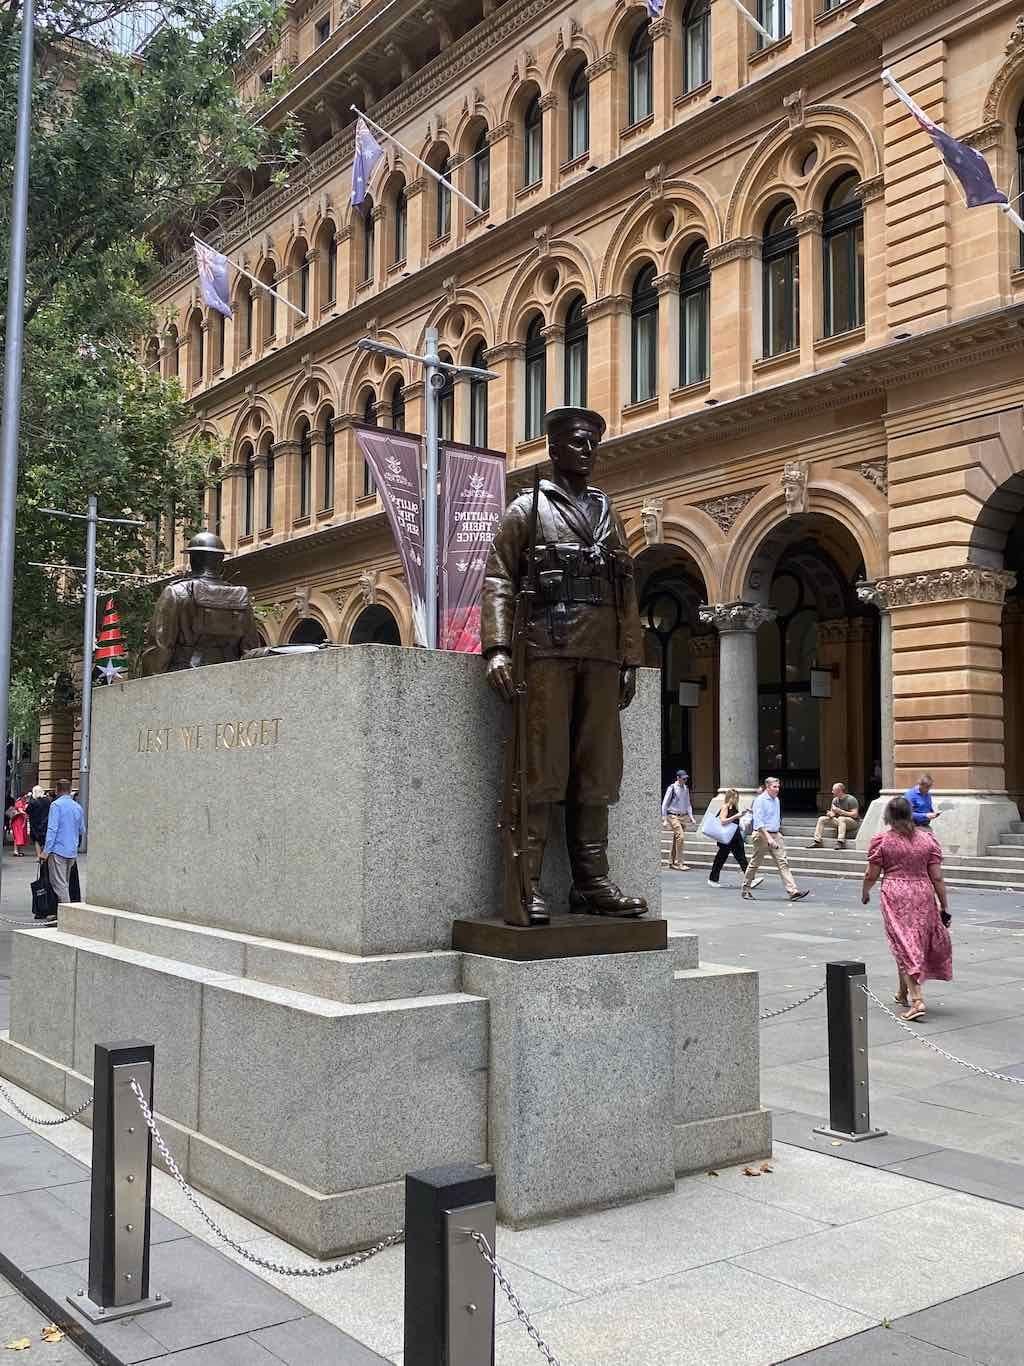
point(676, 810)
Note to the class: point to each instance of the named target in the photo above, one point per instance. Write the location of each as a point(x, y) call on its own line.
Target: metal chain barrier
point(278, 1268)
point(513, 1299)
point(28, 924)
point(34, 1119)
point(772, 1014)
point(971, 1067)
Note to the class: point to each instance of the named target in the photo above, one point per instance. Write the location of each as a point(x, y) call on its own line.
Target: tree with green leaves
point(129, 150)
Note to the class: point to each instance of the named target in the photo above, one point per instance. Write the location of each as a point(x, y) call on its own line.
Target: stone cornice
point(810, 221)
point(606, 62)
point(885, 21)
point(506, 351)
point(735, 616)
point(739, 249)
point(870, 190)
point(943, 585)
point(667, 283)
point(602, 308)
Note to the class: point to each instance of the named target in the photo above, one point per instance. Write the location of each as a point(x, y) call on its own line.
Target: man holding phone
point(920, 798)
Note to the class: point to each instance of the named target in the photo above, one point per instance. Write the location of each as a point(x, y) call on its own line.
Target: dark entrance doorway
point(375, 626)
point(670, 595)
point(308, 632)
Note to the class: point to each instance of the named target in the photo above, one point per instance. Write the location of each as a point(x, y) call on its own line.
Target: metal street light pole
point(13, 360)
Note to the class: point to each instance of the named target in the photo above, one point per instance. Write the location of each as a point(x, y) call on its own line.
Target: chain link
point(32, 924)
point(34, 1119)
point(971, 1067)
point(485, 1252)
point(772, 1014)
point(277, 1267)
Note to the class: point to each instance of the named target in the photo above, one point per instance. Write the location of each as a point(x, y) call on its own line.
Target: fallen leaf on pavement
point(765, 1168)
point(19, 1345)
point(749, 1171)
point(51, 1333)
point(712, 1173)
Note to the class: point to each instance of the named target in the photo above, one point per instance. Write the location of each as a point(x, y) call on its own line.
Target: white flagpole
point(1012, 215)
point(429, 169)
point(256, 281)
point(769, 37)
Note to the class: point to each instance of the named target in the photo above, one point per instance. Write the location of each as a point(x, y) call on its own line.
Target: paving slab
point(28, 1162)
point(797, 1128)
point(988, 1177)
point(241, 1351)
point(311, 1340)
point(986, 1326)
point(39, 1230)
point(19, 1319)
point(879, 1347)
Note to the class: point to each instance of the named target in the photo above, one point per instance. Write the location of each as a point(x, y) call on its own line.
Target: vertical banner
point(394, 461)
point(472, 502)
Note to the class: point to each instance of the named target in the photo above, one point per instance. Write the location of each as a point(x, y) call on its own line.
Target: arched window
point(305, 468)
point(1020, 168)
point(329, 247)
point(533, 142)
point(172, 352)
point(301, 267)
point(268, 487)
point(842, 236)
point(780, 257)
point(268, 275)
point(694, 315)
point(249, 504)
point(401, 225)
point(696, 44)
point(579, 113)
point(245, 313)
point(443, 200)
point(219, 326)
point(576, 354)
point(370, 418)
point(644, 310)
point(197, 349)
point(328, 485)
point(478, 399)
point(535, 387)
point(446, 403)
point(368, 235)
point(398, 406)
point(153, 354)
point(482, 171)
point(777, 17)
point(641, 74)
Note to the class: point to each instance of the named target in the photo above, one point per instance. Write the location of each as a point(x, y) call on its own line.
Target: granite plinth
point(396, 755)
point(568, 936)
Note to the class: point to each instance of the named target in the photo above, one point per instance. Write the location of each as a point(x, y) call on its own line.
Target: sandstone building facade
point(747, 256)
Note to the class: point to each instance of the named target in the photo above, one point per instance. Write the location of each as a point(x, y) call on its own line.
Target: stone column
point(808, 226)
point(554, 356)
point(286, 484)
point(550, 150)
point(734, 330)
point(737, 624)
point(417, 230)
point(345, 458)
point(316, 472)
point(505, 397)
point(871, 194)
point(415, 417)
point(870, 593)
point(604, 106)
point(664, 85)
point(668, 337)
point(501, 143)
point(462, 390)
point(704, 665)
point(607, 380)
point(1013, 697)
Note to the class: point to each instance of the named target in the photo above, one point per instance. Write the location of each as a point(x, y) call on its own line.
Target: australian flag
point(213, 278)
point(655, 8)
point(368, 153)
point(968, 165)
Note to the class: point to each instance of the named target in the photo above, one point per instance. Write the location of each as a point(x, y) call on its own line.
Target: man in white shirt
point(768, 841)
point(676, 809)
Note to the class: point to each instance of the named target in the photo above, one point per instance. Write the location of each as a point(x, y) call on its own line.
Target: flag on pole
point(111, 657)
point(766, 36)
point(655, 8)
point(969, 166)
point(213, 278)
point(368, 153)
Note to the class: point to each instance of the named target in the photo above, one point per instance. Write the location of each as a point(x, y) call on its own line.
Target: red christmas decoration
point(111, 656)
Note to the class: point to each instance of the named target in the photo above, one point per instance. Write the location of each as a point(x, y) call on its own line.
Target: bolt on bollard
point(849, 1105)
point(449, 1287)
point(119, 1222)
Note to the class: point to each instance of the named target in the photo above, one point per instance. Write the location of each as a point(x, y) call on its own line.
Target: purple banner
point(394, 461)
point(472, 502)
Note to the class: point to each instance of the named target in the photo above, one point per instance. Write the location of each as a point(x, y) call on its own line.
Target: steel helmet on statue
point(206, 543)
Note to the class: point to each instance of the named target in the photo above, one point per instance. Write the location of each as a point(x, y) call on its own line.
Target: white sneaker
point(713, 884)
point(756, 883)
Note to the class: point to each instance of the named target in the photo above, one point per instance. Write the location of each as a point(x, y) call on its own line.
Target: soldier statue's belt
point(597, 591)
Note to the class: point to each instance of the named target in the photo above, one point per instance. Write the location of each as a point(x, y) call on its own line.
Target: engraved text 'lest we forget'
point(206, 736)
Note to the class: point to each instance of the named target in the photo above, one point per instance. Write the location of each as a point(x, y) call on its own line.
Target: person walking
point(64, 827)
point(676, 809)
point(844, 814)
point(729, 818)
point(768, 842)
point(915, 907)
point(19, 826)
point(38, 814)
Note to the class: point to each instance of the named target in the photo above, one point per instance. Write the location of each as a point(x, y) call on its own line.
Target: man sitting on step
point(844, 814)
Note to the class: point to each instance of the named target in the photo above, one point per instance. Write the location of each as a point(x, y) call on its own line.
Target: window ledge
point(576, 164)
point(366, 500)
point(302, 521)
point(633, 130)
point(694, 96)
point(641, 405)
point(441, 241)
point(525, 191)
point(776, 362)
point(475, 219)
point(266, 533)
point(396, 266)
point(761, 54)
point(1017, 278)
point(827, 15)
point(534, 443)
point(694, 390)
point(364, 286)
point(324, 514)
point(327, 306)
point(218, 371)
point(244, 355)
point(245, 540)
point(840, 339)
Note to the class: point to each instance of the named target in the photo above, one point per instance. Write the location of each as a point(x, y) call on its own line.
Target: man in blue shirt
point(63, 835)
point(768, 842)
point(920, 798)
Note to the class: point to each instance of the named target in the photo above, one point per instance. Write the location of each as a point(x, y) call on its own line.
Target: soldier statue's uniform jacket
point(199, 621)
point(584, 629)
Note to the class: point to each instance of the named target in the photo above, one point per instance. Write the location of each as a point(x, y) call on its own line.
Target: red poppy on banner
point(111, 657)
point(472, 501)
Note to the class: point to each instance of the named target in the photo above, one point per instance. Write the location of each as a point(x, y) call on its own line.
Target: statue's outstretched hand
point(627, 687)
point(499, 675)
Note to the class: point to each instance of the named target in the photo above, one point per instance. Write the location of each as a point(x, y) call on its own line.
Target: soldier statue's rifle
point(518, 891)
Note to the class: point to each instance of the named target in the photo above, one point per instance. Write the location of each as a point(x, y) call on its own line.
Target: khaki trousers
point(678, 837)
point(60, 872)
point(843, 824)
point(762, 850)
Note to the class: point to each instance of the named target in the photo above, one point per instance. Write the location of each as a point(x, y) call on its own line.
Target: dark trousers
point(734, 847)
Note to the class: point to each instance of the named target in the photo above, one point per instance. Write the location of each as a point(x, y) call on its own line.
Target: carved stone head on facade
point(794, 486)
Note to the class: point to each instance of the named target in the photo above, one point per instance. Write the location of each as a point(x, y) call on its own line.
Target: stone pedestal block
point(580, 1080)
point(971, 822)
point(344, 800)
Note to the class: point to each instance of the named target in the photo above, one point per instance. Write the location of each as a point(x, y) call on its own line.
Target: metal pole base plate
point(849, 1138)
point(96, 1313)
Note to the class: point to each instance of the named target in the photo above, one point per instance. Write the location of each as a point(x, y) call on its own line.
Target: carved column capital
point(810, 221)
point(735, 616)
point(739, 249)
point(943, 585)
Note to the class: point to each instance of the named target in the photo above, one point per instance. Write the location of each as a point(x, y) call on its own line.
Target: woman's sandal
point(902, 999)
point(916, 1011)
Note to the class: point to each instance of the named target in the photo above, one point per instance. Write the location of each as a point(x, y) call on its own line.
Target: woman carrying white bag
point(725, 823)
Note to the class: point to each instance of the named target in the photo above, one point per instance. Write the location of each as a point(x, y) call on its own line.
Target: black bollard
point(121, 1187)
point(449, 1288)
point(849, 1106)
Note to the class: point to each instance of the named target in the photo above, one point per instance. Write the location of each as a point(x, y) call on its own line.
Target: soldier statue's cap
point(208, 542)
point(560, 417)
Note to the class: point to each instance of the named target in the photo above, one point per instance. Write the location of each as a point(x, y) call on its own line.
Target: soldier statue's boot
point(593, 892)
point(537, 818)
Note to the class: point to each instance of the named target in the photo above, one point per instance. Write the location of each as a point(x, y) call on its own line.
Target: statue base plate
point(567, 936)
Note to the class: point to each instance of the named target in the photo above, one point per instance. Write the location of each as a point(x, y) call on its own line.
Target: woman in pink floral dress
point(914, 904)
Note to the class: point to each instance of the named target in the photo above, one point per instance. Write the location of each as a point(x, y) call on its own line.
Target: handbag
point(44, 898)
point(712, 827)
point(747, 823)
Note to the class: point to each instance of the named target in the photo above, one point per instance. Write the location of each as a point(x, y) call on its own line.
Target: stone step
point(974, 872)
point(1011, 837)
point(1007, 853)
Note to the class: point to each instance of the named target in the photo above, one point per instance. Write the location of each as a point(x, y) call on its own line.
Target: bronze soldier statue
point(202, 619)
point(562, 551)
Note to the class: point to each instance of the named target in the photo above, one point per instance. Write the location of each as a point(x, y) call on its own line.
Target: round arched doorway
point(308, 632)
point(375, 626)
